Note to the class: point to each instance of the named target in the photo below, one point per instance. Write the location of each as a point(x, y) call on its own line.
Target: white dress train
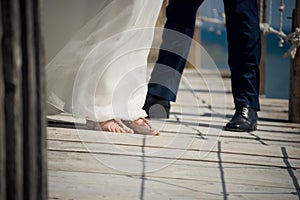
point(100, 73)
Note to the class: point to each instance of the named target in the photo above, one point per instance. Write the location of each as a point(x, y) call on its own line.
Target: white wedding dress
point(99, 72)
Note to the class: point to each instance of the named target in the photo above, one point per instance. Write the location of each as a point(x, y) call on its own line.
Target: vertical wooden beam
point(35, 159)
point(41, 132)
point(294, 100)
point(25, 122)
point(262, 66)
point(2, 125)
point(12, 62)
point(29, 100)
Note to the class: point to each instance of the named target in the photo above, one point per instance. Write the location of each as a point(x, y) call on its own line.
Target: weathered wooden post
point(262, 65)
point(11, 63)
point(33, 101)
point(294, 100)
point(2, 128)
point(24, 126)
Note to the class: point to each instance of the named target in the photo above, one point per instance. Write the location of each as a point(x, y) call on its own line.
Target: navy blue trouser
point(244, 49)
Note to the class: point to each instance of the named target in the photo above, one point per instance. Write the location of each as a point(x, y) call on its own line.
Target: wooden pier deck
point(192, 159)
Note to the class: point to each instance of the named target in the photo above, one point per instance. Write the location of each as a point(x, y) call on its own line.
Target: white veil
point(99, 72)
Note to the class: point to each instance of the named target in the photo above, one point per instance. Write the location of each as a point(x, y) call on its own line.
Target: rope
point(294, 39)
point(211, 20)
point(266, 28)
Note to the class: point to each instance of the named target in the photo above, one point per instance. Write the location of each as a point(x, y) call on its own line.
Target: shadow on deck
point(192, 159)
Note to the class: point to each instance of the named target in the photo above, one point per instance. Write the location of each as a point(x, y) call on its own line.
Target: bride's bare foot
point(113, 125)
point(141, 126)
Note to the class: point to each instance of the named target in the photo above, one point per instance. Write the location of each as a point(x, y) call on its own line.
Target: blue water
point(277, 67)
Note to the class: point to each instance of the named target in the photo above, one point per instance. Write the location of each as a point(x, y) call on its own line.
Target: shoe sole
point(254, 128)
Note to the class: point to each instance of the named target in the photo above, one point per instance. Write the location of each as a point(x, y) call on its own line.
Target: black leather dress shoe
point(244, 119)
point(156, 107)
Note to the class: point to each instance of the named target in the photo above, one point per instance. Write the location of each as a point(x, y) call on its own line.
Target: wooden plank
point(180, 175)
point(231, 145)
point(204, 129)
point(2, 124)
point(81, 185)
point(203, 108)
point(211, 125)
point(198, 147)
point(196, 92)
point(216, 114)
point(196, 127)
point(294, 99)
point(180, 169)
point(11, 55)
point(173, 153)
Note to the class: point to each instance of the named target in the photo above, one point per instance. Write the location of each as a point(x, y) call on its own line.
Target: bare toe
point(141, 126)
point(113, 125)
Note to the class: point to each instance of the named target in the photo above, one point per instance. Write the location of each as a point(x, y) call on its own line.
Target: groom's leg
point(244, 47)
point(177, 37)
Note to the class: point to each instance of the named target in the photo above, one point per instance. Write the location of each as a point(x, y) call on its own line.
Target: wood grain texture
point(2, 124)
point(35, 176)
point(41, 132)
point(262, 65)
point(25, 165)
point(29, 101)
point(294, 106)
point(192, 159)
point(12, 62)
